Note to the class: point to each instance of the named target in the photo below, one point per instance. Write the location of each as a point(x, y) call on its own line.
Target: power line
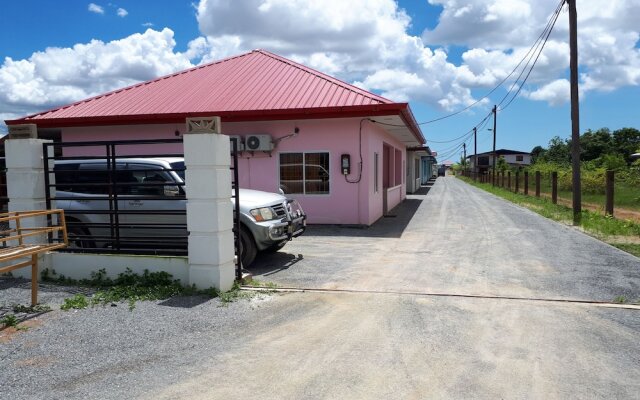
point(550, 24)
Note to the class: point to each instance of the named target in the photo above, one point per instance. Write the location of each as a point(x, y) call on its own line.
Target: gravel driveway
point(394, 320)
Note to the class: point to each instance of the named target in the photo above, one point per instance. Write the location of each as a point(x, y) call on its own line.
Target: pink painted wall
point(347, 203)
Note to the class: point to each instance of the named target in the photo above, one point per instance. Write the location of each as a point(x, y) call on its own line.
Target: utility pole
point(475, 153)
point(575, 112)
point(464, 146)
point(495, 114)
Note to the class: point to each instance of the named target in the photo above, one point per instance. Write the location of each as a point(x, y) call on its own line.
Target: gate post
point(209, 209)
point(25, 181)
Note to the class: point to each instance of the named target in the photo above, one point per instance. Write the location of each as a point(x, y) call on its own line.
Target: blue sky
point(440, 55)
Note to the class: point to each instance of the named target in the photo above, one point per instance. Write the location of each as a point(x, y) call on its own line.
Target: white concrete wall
point(511, 159)
point(209, 216)
point(80, 266)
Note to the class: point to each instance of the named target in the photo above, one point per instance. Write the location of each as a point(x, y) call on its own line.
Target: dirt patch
point(623, 240)
point(7, 334)
point(35, 362)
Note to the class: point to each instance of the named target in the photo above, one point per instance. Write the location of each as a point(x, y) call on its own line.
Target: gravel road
point(365, 344)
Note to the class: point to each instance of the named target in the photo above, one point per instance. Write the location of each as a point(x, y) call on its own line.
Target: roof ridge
point(324, 76)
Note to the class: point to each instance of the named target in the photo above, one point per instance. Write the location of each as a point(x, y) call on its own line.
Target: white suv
point(151, 202)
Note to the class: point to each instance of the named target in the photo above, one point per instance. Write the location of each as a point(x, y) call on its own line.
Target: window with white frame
point(305, 173)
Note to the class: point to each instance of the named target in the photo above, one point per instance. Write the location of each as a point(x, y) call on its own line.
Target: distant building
point(514, 158)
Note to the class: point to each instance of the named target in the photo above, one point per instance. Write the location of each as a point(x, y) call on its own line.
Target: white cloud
point(498, 33)
point(122, 12)
point(94, 8)
point(361, 41)
point(61, 75)
point(555, 93)
point(148, 24)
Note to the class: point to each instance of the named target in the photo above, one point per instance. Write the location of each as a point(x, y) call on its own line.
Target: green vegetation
point(603, 227)
point(131, 287)
point(626, 189)
point(620, 300)
point(37, 309)
point(601, 150)
point(9, 320)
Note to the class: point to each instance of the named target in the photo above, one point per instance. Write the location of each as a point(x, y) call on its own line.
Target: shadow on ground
point(269, 264)
point(391, 225)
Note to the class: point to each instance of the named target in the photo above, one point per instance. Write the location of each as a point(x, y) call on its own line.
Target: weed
point(232, 295)
point(38, 308)
point(259, 284)
point(132, 287)
point(620, 300)
point(78, 302)
point(9, 320)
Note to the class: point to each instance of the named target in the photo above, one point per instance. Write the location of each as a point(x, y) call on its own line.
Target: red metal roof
point(254, 86)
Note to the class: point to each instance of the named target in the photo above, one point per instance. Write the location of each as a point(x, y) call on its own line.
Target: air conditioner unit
point(239, 141)
point(258, 143)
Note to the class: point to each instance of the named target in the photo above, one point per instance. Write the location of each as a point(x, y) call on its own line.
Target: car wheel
point(248, 249)
point(76, 236)
point(275, 247)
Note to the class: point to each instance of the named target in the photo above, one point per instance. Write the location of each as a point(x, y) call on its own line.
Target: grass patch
point(630, 248)
point(131, 287)
point(597, 225)
point(259, 284)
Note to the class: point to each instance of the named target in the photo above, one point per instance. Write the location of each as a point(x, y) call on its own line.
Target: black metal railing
point(235, 197)
point(119, 196)
point(4, 200)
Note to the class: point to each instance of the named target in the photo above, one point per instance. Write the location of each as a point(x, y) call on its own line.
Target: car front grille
point(279, 209)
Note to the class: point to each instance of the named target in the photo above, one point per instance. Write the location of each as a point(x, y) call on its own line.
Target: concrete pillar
point(25, 186)
point(25, 174)
point(209, 210)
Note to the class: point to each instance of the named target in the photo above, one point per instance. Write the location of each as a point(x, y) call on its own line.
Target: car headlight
point(263, 214)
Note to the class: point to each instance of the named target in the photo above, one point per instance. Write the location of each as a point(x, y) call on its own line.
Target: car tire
point(276, 247)
point(73, 235)
point(248, 248)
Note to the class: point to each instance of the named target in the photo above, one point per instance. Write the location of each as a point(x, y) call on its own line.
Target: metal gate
point(125, 197)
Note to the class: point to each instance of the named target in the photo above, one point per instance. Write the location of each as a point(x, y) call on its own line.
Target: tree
point(626, 141)
point(559, 151)
point(501, 164)
point(595, 144)
point(537, 153)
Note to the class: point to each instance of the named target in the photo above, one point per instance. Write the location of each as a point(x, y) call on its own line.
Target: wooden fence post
point(509, 180)
point(609, 193)
point(526, 183)
point(517, 181)
point(537, 183)
point(554, 187)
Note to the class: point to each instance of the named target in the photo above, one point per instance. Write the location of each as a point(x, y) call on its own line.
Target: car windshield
point(178, 166)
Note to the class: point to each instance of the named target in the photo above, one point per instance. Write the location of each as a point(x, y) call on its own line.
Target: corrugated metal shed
point(254, 86)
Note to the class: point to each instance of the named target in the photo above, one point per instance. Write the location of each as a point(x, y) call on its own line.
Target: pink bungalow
point(340, 150)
